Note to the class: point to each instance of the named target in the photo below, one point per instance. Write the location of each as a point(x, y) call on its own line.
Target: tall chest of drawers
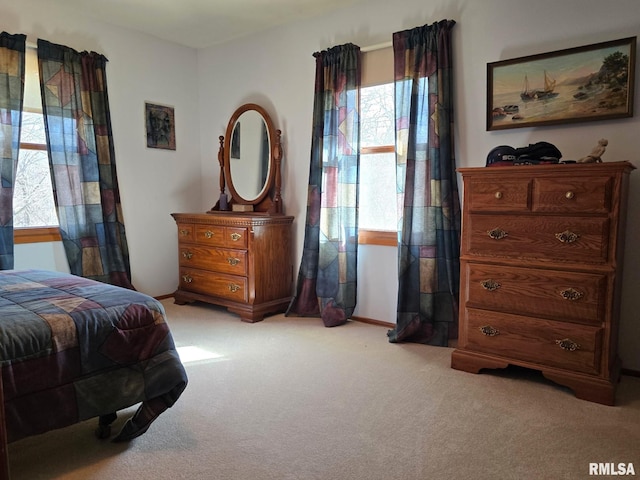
point(237, 260)
point(541, 267)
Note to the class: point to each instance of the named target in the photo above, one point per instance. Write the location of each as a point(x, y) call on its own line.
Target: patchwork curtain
point(82, 160)
point(12, 58)
point(428, 199)
point(327, 276)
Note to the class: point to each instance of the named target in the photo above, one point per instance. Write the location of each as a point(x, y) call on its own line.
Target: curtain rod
point(378, 46)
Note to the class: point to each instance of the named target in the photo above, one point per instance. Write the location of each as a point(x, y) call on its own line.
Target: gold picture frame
point(592, 82)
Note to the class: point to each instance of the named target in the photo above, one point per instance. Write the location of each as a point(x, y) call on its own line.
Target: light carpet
point(287, 398)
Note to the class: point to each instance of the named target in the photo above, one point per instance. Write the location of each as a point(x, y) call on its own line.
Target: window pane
point(32, 130)
point(32, 193)
point(377, 116)
point(33, 204)
point(32, 96)
point(377, 192)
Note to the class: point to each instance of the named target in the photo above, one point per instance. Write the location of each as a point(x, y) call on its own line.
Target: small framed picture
point(161, 131)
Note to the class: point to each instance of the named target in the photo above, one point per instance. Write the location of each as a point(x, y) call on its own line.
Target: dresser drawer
point(232, 237)
point(231, 287)
point(572, 194)
point(185, 232)
point(558, 295)
point(545, 342)
point(214, 259)
point(549, 238)
point(212, 235)
point(235, 237)
point(498, 195)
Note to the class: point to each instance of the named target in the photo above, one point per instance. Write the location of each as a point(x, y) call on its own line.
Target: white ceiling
point(202, 23)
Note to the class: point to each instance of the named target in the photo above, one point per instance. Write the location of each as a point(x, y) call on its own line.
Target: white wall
point(153, 183)
point(276, 70)
point(44, 255)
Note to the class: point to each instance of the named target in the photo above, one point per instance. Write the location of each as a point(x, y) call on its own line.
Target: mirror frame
point(268, 199)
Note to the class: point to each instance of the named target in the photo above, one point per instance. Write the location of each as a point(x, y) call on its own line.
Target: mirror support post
point(222, 202)
point(223, 196)
point(277, 157)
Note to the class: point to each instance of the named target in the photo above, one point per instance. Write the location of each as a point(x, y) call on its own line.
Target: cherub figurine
point(596, 153)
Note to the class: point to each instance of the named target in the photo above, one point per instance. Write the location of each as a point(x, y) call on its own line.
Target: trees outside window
point(34, 212)
point(378, 212)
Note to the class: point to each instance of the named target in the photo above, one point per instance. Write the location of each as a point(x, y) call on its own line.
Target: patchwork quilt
point(73, 349)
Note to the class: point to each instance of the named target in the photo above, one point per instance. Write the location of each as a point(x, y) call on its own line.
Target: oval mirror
point(248, 155)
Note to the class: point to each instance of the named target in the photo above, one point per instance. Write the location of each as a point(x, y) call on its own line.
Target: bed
point(72, 349)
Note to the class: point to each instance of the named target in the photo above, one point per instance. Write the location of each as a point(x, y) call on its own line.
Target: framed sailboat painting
point(593, 82)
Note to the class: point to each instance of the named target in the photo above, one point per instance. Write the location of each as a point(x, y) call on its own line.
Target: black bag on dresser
point(537, 153)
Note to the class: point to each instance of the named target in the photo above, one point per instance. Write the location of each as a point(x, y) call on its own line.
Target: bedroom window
point(34, 213)
point(378, 212)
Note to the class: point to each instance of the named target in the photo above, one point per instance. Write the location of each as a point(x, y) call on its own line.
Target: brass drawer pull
point(490, 285)
point(567, 236)
point(233, 261)
point(208, 234)
point(568, 345)
point(187, 255)
point(184, 232)
point(498, 195)
point(497, 234)
point(569, 195)
point(571, 294)
point(489, 331)
point(235, 236)
point(187, 278)
point(233, 287)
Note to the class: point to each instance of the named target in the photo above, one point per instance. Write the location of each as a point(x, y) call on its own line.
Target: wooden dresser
point(242, 261)
point(541, 266)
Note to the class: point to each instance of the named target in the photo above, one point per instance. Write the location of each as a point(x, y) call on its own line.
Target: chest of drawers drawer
point(554, 294)
point(565, 194)
point(555, 238)
point(563, 345)
point(572, 194)
point(499, 195)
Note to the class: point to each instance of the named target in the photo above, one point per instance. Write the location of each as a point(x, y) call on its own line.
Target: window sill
point(378, 237)
point(36, 235)
point(52, 234)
